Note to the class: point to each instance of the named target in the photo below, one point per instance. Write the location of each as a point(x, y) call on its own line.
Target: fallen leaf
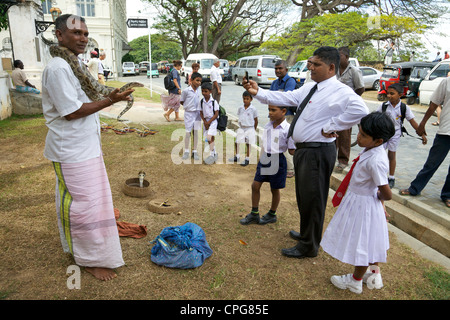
point(242, 242)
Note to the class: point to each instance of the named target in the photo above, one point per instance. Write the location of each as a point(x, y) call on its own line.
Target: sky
point(433, 42)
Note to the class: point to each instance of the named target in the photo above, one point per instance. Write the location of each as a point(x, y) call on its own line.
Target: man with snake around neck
point(84, 203)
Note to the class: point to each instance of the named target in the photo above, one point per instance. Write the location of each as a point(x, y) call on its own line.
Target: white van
point(298, 71)
point(261, 69)
point(128, 68)
point(206, 61)
point(432, 80)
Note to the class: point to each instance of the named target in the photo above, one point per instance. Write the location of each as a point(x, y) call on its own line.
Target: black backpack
point(222, 118)
point(168, 82)
point(402, 112)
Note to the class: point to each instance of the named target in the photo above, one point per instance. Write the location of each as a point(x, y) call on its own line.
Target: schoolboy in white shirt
point(248, 122)
point(272, 165)
point(208, 113)
point(190, 99)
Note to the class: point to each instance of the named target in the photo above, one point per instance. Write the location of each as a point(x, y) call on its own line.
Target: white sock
point(391, 177)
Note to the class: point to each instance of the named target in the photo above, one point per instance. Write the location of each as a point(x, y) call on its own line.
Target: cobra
point(93, 89)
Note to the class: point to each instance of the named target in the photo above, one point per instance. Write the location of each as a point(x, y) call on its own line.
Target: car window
point(243, 64)
point(252, 63)
point(368, 72)
point(128, 64)
point(268, 63)
point(390, 73)
point(441, 71)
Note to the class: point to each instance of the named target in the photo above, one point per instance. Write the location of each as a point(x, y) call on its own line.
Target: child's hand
point(424, 139)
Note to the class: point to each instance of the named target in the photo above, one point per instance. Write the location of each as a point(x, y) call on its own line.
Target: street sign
point(137, 23)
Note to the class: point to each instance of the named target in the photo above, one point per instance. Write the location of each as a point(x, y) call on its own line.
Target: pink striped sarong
point(85, 211)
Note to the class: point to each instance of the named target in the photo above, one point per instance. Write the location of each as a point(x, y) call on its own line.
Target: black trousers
point(313, 165)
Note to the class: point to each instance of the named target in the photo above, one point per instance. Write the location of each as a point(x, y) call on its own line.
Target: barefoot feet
point(104, 274)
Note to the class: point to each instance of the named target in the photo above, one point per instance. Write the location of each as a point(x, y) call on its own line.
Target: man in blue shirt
point(285, 83)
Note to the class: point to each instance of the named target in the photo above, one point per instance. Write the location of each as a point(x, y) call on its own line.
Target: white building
point(106, 21)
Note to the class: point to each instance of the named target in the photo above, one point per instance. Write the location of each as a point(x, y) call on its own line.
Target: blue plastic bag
point(182, 247)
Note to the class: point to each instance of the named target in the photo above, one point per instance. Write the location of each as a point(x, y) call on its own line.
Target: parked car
point(415, 79)
point(136, 69)
point(432, 80)
point(261, 69)
point(154, 72)
point(205, 60)
point(129, 68)
point(143, 66)
point(371, 77)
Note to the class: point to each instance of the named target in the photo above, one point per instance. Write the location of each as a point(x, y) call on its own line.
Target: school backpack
point(402, 112)
point(168, 82)
point(222, 118)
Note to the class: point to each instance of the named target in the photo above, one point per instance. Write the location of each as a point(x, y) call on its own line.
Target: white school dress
point(357, 234)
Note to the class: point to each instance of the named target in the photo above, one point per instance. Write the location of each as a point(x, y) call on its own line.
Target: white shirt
point(333, 107)
point(247, 116)
point(395, 113)
point(191, 99)
point(93, 67)
point(67, 141)
point(209, 108)
point(275, 139)
point(215, 75)
point(441, 96)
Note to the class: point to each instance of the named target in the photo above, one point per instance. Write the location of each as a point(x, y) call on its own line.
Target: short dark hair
point(196, 75)
point(378, 125)
point(247, 94)
point(345, 51)
point(61, 21)
point(207, 85)
point(397, 87)
point(280, 62)
point(177, 62)
point(17, 63)
point(329, 55)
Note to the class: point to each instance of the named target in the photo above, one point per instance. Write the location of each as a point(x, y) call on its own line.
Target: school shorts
point(392, 143)
point(246, 135)
point(212, 131)
point(192, 120)
point(272, 168)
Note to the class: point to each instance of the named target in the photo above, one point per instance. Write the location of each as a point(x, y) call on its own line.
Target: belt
point(302, 145)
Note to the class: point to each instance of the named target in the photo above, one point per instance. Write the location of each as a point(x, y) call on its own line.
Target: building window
point(86, 8)
point(46, 5)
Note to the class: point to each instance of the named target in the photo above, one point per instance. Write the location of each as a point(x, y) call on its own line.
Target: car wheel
point(411, 100)
point(236, 81)
point(376, 85)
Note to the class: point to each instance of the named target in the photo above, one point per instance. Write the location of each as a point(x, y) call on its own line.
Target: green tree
point(350, 29)
point(161, 49)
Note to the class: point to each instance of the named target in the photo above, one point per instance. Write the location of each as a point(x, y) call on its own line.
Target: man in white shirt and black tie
point(325, 106)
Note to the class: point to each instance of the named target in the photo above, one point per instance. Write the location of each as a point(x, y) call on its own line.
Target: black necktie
point(300, 109)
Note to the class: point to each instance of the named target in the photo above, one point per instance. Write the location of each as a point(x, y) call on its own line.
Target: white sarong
point(85, 211)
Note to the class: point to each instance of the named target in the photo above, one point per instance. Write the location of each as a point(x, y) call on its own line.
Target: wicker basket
point(131, 188)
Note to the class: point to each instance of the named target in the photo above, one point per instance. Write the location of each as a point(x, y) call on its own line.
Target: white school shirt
point(333, 107)
point(247, 116)
point(396, 113)
point(67, 141)
point(275, 139)
point(209, 108)
point(441, 96)
point(191, 99)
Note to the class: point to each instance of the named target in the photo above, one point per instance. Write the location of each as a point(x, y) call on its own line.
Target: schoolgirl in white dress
point(357, 233)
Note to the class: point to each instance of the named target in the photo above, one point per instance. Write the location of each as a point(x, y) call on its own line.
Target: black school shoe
point(268, 218)
point(250, 218)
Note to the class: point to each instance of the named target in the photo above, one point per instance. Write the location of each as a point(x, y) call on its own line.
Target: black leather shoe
point(268, 218)
point(250, 218)
point(294, 235)
point(294, 253)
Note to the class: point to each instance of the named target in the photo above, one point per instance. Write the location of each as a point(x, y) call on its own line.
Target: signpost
point(143, 23)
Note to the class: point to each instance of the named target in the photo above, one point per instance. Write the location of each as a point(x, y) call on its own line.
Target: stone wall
point(25, 103)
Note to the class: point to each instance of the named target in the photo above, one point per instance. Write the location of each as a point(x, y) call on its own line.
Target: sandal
point(404, 192)
point(435, 123)
point(447, 203)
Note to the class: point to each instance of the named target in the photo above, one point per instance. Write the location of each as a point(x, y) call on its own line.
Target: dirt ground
point(246, 262)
